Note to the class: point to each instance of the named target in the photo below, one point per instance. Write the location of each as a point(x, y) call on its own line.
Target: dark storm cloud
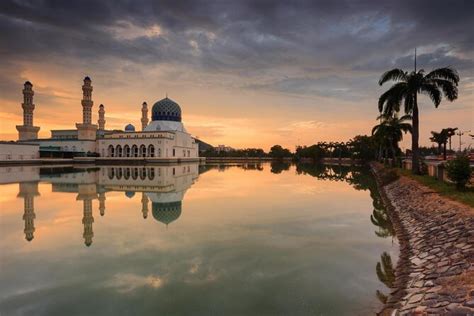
point(244, 38)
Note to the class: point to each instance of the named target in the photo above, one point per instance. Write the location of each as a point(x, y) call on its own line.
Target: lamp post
point(460, 133)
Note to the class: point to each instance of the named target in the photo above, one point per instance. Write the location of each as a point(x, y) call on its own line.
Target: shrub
point(459, 171)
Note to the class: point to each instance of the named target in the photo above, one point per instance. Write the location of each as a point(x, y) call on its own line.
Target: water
point(242, 239)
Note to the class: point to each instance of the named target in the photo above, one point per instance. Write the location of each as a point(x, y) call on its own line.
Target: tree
point(279, 152)
point(441, 139)
point(441, 81)
point(451, 132)
point(390, 131)
point(459, 171)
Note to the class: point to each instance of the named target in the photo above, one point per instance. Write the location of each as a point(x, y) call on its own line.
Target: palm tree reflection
point(386, 275)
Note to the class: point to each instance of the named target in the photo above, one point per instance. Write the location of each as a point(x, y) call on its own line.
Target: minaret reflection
point(87, 193)
point(144, 205)
point(102, 203)
point(28, 191)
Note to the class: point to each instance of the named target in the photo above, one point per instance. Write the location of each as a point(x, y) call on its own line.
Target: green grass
point(443, 188)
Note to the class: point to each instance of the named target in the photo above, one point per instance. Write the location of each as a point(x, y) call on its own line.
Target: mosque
point(164, 138)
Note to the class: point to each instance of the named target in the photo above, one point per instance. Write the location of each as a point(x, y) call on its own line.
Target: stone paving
point(435, 271)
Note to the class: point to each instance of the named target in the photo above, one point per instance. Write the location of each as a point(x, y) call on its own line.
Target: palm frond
point(450, 90)
point(432, 91)
point(446, 73)
point(389, 101)
point(394, 74)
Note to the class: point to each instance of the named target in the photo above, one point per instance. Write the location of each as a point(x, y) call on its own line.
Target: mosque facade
point(163, 138)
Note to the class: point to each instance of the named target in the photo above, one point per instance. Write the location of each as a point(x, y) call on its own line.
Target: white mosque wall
point(71, 145)
point(18, 151)
point(168, 145)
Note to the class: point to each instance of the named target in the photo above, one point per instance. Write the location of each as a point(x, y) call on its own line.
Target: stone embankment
point(435, 271)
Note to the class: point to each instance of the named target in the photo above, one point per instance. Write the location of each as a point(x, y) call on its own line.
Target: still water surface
point(242, 239)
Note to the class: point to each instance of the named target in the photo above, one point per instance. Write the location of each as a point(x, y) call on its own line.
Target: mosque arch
point(126, 151)
point(118, 151)
point(126, 173)
point(143, 173)
point(151, 150)
point(134, 151)
point(111, 173)
point(142, 151)
point(134, 173)
point(151, 173)
point(110, 151)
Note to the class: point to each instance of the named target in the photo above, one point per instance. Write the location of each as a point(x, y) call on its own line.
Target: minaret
point(27, 131)
point(144, 205)
point(101, 120)
point(86, 130)
point(144, 115)
point(102, 203)
point(28, 191)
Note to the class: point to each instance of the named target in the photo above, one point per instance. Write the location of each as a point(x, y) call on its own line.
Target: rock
point(415, 298)
point(470, 303)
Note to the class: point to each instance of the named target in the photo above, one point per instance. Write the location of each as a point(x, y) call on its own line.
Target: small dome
point(166, 110)
point(87, 78)
point(129, 194)
point(27, 83)
point(101, 106)
point(166, 212)
point(130, 128)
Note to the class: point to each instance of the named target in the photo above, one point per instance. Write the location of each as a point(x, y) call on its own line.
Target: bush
point(459, 171)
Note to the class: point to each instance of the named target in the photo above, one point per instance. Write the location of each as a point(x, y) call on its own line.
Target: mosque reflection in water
point(162, 186)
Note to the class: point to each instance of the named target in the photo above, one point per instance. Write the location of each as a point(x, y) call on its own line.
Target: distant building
point(162, 138)
point(223, 148)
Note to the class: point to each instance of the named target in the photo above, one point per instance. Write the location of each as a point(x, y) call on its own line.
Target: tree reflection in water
point(361, 179)
point(386, 275)
point(279, 166)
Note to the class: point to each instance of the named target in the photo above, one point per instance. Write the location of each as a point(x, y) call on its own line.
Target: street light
point(460, 133)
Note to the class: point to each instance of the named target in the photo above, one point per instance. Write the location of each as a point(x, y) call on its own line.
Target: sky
point(245, 73)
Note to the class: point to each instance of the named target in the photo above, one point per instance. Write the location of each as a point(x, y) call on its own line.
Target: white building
point(164, 138)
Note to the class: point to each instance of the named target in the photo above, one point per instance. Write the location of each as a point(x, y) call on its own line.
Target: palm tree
point(390, 131)
point(441, 139)
point(405, 90)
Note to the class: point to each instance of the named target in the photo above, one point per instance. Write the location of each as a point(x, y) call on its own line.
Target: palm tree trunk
point(415, 167)
point(392, 150)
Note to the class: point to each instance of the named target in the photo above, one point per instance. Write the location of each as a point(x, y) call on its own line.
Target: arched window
point(151, 151)
point(111, 151)
point(143, 173)
point(111, 173)
point(159, 152)
point(126, 173)
point(151, 173)
point(126, 151)
point(119, 173)
point(134, 173)
point(142, 151)
point(118, 151)
point(134, 151)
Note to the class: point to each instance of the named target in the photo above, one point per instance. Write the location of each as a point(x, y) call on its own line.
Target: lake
point(190, 239)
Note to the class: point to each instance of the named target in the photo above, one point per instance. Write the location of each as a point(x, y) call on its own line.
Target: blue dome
point(129, 194)
point(130, 128)
point(166, 110)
